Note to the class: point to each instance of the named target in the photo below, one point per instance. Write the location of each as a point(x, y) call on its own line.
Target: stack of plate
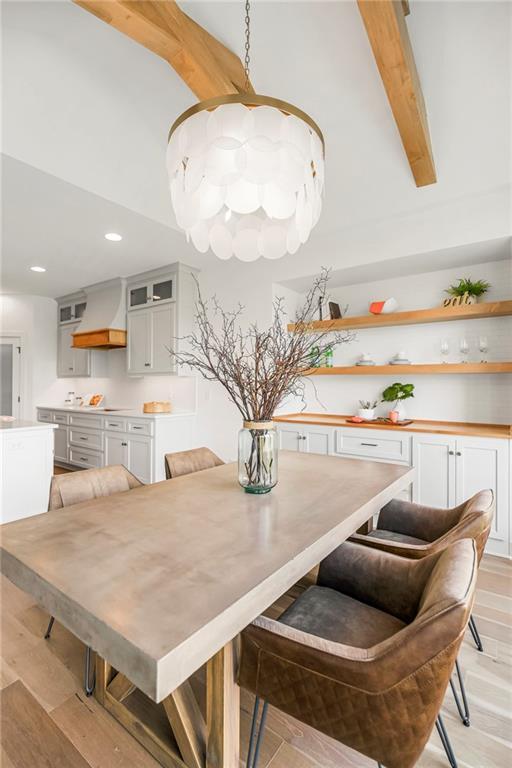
point(399, 361)
point(365, 362)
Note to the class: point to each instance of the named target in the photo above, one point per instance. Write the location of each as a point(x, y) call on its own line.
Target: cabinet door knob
point(147, 365)
point(458, 453)
point(451, 453)
point(125, 444)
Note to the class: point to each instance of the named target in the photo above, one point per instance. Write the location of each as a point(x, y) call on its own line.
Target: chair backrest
point(74, 487)
point(185, 462)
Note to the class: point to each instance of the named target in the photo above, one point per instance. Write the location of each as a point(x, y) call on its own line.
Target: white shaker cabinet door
point(61, 444)
point(139, 457)
point(317, 440)
point(485, 463)
point(163, 332)
point(65, 352)
point(290, 439)
point(82, 362)
point(116, 450)
point(434, 460)
point(139, 341)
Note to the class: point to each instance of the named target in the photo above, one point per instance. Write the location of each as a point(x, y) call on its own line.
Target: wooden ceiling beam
point(387, 31)
point(203, 63)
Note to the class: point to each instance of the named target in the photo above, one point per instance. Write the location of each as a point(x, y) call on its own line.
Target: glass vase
point(257, 456)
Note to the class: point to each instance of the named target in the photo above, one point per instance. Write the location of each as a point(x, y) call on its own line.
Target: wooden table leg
point(223, 709)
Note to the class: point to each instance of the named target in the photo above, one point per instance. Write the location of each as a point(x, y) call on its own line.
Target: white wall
point(35, 319)
point(456, 397)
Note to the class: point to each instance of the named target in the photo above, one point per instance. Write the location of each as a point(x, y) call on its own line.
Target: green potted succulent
point(396, 393)
point(467, 291)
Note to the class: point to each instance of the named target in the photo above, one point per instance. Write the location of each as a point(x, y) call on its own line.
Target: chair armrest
point(413, 551)
point(377, 578)
point(421, 522)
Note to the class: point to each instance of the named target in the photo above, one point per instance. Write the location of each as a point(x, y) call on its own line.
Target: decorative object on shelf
point(464, 349)
point(328, 357)
point(466, 291)
point(400, 359)
point(334, 311)
point(483, 347)
point(367, 409)
point(157, 406)
point(396, 393)
point(246, 173)
point(384, 307)
point(258, 369)
point(365, 359)
point(445, 350)
point(379, 420)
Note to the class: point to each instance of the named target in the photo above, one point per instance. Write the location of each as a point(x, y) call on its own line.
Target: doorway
point(10, 376)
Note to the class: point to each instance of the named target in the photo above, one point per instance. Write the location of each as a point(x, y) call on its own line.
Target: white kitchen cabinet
point(151, 333)
point(139, 458)
point(61, 452)
point(73, 362)
point(94, 439)
point(160, 313)
point(434, 459)
point(290, 438)
point(132, 452)
point(484, 463)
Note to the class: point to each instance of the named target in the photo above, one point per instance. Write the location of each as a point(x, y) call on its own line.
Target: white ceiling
point(86, 113)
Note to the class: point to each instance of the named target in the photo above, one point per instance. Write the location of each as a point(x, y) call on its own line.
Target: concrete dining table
point(161, 579)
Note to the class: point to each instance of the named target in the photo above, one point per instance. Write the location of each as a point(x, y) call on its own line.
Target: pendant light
point(246, 173)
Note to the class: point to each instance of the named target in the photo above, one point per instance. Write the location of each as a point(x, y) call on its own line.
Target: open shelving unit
point(420, 368)
point(414, 317)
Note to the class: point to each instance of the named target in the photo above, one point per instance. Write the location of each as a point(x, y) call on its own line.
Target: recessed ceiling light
point(113, 236)
point(38, 269)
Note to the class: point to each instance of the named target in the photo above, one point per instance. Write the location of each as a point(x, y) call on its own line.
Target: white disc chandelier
point(246, 174)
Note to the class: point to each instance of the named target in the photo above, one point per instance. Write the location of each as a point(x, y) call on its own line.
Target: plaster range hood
point(103, 324)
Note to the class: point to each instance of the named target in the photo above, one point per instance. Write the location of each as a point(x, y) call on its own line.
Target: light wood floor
point(48, 722)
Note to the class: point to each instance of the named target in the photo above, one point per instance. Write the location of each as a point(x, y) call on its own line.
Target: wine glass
point(445, 350)
point(464, 349)
point(483, 347)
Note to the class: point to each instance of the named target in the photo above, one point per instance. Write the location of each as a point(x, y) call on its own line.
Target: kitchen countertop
point(20, 424)
point(114, 412)
point(418, 425)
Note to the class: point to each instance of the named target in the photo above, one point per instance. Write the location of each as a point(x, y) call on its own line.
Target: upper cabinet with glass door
point(161, 309)
point(146, 293)
point(71, 308)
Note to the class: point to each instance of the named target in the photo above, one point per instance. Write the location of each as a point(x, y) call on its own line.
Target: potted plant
point(258, 369)
point(367, 409)
point(467, 291)
point(396, 393)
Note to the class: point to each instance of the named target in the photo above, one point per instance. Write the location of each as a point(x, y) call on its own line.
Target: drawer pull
point(371, 445)
point(83, 458)
point(147, 365)
point(84, 438)
point(112, 424)
point(137, 427)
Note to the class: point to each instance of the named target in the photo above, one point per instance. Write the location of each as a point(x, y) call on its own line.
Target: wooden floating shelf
point(422, 368)
point(414, 317)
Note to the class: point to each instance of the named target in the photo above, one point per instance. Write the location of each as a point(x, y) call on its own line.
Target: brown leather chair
point(414, 530)
point(74, 487)
point(365, 655)
point(185, 462)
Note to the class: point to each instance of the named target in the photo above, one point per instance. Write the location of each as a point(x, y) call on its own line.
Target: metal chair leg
point(49, 628)
point(88, 684)
point(446, 742)
point(254, 747)
point(474, 631)
point(463, 707)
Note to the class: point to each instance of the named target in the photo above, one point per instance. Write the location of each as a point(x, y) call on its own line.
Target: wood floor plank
point(100, 739)
point(44, 675)
point(13, 599)
point(7, 675)
point(29, 735)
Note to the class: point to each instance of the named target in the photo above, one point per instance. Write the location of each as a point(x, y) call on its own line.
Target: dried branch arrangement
point(258, 369)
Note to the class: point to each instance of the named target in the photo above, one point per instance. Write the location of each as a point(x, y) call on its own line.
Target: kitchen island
point(26, 467)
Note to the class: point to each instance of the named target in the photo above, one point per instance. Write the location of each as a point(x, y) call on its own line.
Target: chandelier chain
point(247, 43)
